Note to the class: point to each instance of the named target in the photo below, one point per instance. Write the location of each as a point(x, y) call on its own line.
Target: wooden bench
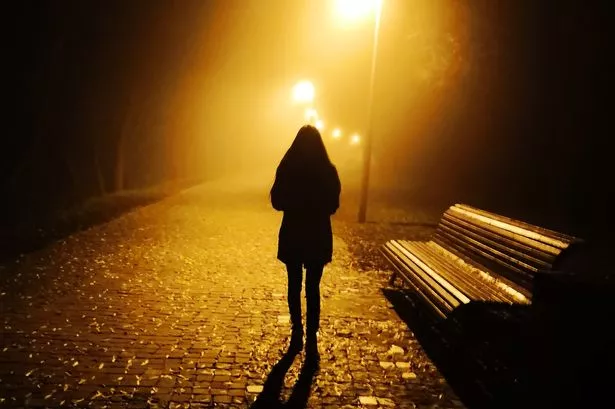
point(476, 256)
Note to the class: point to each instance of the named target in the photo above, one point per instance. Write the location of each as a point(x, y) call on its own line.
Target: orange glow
point(220, 94)
point(320, 125)
point(303, 91)
point(311, 115)
point(354, 9)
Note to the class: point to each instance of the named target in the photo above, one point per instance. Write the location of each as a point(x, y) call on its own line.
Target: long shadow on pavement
point(480, 351)
point(551, 355)
point(269, 398)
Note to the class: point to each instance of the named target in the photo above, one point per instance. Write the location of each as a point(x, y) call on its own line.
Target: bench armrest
point(561, 290)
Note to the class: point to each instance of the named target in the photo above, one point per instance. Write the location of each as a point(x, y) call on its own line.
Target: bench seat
point(476, 256)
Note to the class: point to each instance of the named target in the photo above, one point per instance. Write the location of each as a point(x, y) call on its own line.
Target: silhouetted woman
point(307, 190)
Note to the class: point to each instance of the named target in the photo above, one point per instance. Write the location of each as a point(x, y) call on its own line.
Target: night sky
point(501, 104)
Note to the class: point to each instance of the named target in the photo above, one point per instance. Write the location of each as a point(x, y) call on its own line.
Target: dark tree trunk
point(119, 162)
point(128, 127)
point(99, 176)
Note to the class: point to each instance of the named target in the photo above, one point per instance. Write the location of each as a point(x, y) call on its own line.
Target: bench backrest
point(512, 249)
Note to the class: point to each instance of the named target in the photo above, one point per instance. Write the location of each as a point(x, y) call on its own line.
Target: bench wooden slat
point(451, 292)
point(477, 256)
point(421, 249)
point(535, 256)
point(471, 283)
point(407, 270)
point(452, 295)
point(552, 237)
point(510, 290)
point(539, 246)
point(438, 306)
point(489, 248)
point(474, 251)
point(485, 250)
point(514, 276)
point(448, 272)
point(420, 280)
point(544, 231)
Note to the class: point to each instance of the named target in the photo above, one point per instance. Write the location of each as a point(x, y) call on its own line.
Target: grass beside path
point(25, 237)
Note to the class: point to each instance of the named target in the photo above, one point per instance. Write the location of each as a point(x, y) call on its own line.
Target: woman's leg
point(312, 293)
point(295, 276)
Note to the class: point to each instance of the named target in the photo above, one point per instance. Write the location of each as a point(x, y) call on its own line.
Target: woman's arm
point(334, 192)
point(277, 193)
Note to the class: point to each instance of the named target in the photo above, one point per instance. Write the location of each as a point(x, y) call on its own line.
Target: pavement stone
point(181, 304)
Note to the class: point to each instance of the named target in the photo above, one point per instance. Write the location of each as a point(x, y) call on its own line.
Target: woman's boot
point(296, 339)
point(311, 347)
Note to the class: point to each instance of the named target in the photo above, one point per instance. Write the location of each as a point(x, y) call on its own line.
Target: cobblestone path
point(182, 304)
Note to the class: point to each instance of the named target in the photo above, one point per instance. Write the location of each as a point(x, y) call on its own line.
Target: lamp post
point(367, 147)
point(352, 9)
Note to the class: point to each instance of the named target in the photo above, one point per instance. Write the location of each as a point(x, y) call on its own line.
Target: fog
point(498, 104)
point(253, 55)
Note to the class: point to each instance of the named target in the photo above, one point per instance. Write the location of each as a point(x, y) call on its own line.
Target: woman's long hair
point(306, 152)
point(306, 175)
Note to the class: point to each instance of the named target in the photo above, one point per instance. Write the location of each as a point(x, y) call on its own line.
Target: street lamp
point(336, 133)
point(355, 139)
point(303, 91)
point(319, 124)
point(353, 9)
point(311, 115)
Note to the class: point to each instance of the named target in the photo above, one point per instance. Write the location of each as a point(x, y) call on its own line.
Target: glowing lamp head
point(311, 115)
point(303, 91)
point(355, 9)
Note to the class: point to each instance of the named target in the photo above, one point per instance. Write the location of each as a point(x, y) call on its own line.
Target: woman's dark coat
point(308, 198)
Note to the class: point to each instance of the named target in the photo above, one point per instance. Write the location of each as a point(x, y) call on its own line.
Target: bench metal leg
point(392, 279)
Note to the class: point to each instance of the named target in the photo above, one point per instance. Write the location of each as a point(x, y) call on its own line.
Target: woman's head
point(308, 149)
point(305, 174)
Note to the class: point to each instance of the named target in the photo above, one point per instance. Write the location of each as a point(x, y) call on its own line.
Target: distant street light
point(303, 92)
point(337, 134)
point(311, 115)
point(355, 139)
point(320, 125)
point(352, 9)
